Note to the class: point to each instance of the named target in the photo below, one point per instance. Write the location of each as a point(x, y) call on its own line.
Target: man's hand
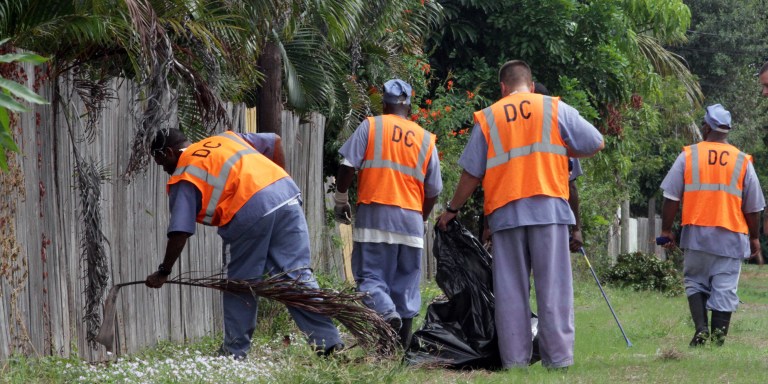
point(671, 243)
point(342, 211)
point(444, 219)
point(756, 253)
point(486, 236)
point(576, 240)
point(156, 280)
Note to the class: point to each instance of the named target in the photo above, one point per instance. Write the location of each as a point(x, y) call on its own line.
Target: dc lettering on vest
point(526, 154)
point(713, 186)
point(395, 163)
point(228, 172)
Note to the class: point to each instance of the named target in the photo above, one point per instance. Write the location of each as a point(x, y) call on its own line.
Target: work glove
point(342, 212)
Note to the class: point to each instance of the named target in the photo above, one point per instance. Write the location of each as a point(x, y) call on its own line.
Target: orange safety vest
point(228, 172)
point(714, 184)
point(526, 154)
point(395, 163)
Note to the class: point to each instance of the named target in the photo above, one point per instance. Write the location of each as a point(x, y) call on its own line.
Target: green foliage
point(605, 58)
point(726, 37)
point(725, 49)
point(574, 95)
point(645, 272)
point(595, 42)
point(659, 327)
point(10, 91)
point(448, 113)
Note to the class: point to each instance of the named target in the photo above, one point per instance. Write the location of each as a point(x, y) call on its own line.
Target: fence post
point(625, 226)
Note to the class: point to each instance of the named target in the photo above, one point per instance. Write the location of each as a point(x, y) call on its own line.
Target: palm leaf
point(370, 329)
point(667, 63)
point(21, 91)
point(21, 57)
point(313, 68)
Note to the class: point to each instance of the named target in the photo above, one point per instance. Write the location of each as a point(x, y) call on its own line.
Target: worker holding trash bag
point(519, 149)
point(398, 183)
point(576, 239)
point(722, 201)
point(227, 181)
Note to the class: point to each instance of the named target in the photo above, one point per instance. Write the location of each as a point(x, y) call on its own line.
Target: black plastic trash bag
point(460, 332)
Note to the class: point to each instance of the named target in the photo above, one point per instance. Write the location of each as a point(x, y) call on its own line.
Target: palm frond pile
point(369, 329)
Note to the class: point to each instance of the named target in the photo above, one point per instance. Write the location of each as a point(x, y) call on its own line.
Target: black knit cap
point(540, 89)
point(170, 138)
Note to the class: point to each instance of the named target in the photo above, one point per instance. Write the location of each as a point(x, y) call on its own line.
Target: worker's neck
point(402, 112)
point(518, 89)
point(716, 137)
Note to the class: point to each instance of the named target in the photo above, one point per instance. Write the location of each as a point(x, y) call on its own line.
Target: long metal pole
point(629, 343)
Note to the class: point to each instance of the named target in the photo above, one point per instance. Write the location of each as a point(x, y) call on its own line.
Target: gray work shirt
point(579, 135)
point(715, 240)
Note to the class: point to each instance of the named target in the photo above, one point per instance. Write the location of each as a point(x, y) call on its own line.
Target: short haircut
point(515, 72)
point(763, 69)
point(168, 138)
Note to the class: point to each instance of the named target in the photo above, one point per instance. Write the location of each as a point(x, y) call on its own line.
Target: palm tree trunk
point(270, 103)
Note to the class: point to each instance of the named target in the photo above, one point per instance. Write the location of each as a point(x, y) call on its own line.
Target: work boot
point(405, 333)
point(333, 349)
point(395, 322)
point(697, 303)
point(720, 323)
point(222, 352)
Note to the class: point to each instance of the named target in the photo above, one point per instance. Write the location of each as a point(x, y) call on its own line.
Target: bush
point(645, 272)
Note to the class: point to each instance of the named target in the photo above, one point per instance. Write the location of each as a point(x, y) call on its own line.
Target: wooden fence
point(640, 237)
point(42, 280)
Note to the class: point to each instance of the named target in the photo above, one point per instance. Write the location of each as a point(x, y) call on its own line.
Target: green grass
point(658, 326)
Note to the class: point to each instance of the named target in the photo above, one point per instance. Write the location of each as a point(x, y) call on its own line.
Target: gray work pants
point(543, 250)
point(278, 242)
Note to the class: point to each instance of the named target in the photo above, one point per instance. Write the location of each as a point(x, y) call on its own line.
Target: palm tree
point(323, 47)
point(186, 48)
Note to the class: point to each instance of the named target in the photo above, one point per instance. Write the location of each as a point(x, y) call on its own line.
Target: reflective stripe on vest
point(379, 162)
point(732, 188)
point(217, 182)
point(542, 146)
point(713, 186)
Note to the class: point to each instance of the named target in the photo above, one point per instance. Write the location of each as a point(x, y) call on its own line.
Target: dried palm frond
point(94, 258)
point(94, 94)
point(369, 329)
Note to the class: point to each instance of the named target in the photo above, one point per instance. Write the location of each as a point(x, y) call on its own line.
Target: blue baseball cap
point(394, 90)
point(718, 118)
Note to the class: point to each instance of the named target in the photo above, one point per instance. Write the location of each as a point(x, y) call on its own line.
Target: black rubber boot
point(720, 323)
point(405, 333)
point(697, 303)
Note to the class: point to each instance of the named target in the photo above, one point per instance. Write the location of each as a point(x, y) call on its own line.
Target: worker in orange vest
point(574, 171)
point(398, 183)
point(722, 201)
point(519, 150)
point(232, 182)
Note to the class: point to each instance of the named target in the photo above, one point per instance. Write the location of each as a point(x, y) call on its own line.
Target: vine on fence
point(13, 265)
